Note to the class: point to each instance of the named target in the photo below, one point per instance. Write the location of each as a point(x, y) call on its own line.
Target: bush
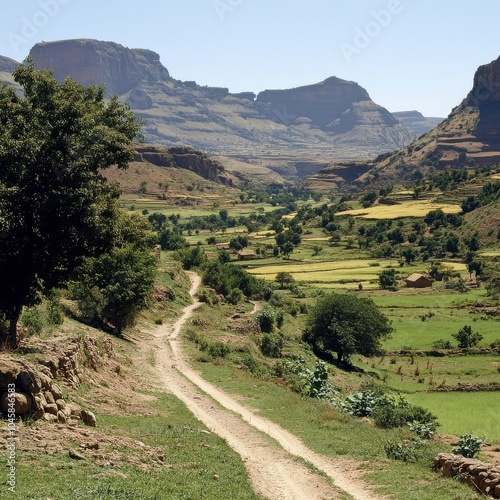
point(266, 319)
point(388, 411)
point(32, 320)
point(468, 445)
point(54, 312)
point(406, 451)
point(271, 345)
point(235, 296)
point(442, 344)
point(423, 431)
point(466, 338)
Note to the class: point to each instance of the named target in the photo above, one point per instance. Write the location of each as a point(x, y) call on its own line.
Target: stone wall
point(36, 393)
point(483, 477)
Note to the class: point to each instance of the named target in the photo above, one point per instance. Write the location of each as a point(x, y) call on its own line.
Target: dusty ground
point(272, 463)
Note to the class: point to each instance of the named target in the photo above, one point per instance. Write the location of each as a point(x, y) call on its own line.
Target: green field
point(464, 412)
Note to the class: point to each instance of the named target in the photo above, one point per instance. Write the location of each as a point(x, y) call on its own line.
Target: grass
point(192, 457)
point(457, 412)
point(336, 434)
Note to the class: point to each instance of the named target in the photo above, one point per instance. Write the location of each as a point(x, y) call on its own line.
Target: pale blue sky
point(417, 54)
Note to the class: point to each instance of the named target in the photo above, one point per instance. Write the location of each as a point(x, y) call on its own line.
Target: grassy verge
point(197, 464)
point(336, 434)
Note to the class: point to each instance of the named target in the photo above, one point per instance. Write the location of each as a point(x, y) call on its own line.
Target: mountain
point(330, 120)
point(7, 66)
point(416, 121)
point(468, 138)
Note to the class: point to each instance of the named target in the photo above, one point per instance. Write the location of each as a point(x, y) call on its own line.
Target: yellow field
point(418, 208)
point(496, 177)
point(492, 253)
point(324, 272)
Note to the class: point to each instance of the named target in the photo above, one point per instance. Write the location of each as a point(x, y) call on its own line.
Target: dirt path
point(274, 471)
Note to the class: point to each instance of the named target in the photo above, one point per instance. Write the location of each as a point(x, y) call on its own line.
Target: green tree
point(347, 325)
point(284, 278)
point(466, 338)
point(387, 279)
point(56, 207)
point(116, 286)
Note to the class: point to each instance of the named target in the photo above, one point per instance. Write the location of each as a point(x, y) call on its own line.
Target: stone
point(51, 408)
point(9, 370)
point(45, 380)
point(49, 397)
point(88, 418)
point(29, 380)
point(56, 392)
point(61, 417)
point(76, 455)
point(49, 417)
point(75, 410)
point(61, 404)
point(497, 491)
point(23, 403)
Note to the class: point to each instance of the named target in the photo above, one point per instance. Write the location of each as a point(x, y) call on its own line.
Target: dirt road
point(271, 463)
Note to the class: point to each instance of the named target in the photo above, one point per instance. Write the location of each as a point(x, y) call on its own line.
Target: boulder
point(88, 418)
point(23, 403)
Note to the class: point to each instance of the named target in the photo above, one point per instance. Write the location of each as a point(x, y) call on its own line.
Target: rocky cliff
point(334, 118)
point(416, 121)
point(7, 65)
point(468, 138)
point(183, 157)
point(100, 63)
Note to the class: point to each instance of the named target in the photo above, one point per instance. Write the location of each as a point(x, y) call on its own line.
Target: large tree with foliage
point(56, 208)
point(347, 325)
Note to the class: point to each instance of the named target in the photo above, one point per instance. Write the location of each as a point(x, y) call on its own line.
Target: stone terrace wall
point(482, 476)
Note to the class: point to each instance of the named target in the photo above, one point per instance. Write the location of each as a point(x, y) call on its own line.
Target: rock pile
point(36, 394)
point(482, 476)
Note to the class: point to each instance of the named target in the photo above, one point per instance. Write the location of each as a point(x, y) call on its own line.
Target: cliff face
point(187, 158)
point(468, 138)
point(322, 103)
point(7, 65)
point(91, 62)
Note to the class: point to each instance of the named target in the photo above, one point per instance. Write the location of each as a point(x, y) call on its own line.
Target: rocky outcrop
point(323, 103)
point(31, 388)
point(8, 65)
point(416, 121)
point(332, 120)
point(187, 158)
point(468, 138)
point(92, 62)
point(483, 477)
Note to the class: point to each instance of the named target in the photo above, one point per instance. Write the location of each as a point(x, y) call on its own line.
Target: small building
point(222, 246)
point(246, 255)
point(417, 280)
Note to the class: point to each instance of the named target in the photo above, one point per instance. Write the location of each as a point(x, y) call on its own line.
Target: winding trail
point(272, 464)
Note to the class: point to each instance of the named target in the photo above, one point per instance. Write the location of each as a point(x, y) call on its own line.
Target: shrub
point(422, 430)
point(32, 320)
point(442, 344)
point(271, 345)
point(466, 338)
point(235, 296)
point(406, 451)
point(266, 319)
point(54, 312)
point(468, 445)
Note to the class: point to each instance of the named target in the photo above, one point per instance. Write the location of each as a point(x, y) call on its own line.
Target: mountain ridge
point(334, 119)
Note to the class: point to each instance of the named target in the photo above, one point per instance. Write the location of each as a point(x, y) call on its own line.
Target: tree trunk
point(12, 340)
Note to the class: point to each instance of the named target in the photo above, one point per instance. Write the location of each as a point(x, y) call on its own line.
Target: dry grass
point(418, 208)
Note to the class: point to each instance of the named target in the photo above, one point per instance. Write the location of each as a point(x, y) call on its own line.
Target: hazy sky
point(408, 54)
